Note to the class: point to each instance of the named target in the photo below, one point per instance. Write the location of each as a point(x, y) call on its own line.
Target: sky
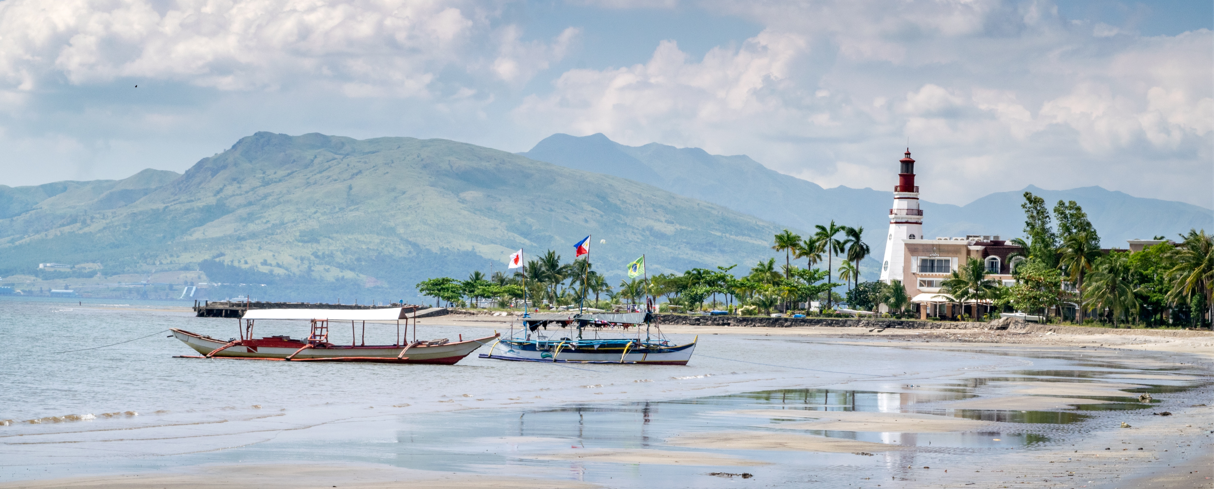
point(990, 95)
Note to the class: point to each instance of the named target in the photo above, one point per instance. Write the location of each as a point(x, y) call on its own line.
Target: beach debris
point(6, 422)
point(729, 475)
point(1145, 397)
point(1124, 425)
point(1166, 413)
point(867, 454)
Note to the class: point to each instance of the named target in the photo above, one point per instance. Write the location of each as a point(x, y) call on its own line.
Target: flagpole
point(523, 266)
point(645, 279)
point(585, 271)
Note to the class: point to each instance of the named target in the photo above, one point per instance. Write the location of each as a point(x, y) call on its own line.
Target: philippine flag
point(582, 248)
point(516, 259)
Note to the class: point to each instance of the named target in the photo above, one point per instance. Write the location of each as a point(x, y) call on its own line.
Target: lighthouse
point(906, 220)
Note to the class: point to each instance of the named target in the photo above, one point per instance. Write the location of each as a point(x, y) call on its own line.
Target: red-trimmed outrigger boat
point(317, 347)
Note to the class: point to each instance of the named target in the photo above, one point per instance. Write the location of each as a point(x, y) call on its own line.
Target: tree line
point(1060, 263)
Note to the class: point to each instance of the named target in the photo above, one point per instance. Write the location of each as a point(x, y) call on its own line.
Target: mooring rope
point(112, 344)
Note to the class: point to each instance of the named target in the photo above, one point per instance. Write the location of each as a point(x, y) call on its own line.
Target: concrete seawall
point(786, 322)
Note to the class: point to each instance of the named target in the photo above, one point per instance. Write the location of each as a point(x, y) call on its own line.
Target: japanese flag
point(516, 259)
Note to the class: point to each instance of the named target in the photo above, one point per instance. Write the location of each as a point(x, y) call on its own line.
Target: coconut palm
point(857, 249)
point(825, 238)
point(1191, 272)
point(848, 272)
point(895, 296)
point(552, 273)
point(1109, 286)
point(786, 241)
point(1076, 258)
point(969, 283)
point(765, 272)
point(810, 250)
point(597, 284)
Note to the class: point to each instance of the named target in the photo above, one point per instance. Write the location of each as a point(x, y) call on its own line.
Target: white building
point(906, 220)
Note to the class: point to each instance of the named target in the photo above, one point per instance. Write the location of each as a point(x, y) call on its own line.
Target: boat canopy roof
point(623, 318)
point(379, 314)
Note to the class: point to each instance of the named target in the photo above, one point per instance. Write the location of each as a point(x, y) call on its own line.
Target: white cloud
point(518, 61)
point(830, 91)
point(383, 46)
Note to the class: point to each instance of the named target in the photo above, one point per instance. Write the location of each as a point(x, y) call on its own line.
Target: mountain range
point(744, 185)
point(316, 216)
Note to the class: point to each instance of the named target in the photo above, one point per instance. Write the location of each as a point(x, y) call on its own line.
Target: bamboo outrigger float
point(576, 339)
point(317, 347)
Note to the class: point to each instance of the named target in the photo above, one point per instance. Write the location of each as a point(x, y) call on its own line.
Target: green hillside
point(314, 215)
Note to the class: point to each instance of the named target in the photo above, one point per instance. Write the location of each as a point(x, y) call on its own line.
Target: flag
point(516, 259)
point(582, 248)
point(637, 267)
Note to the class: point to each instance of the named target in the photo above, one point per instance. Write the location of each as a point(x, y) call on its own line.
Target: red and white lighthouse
point(906, 220)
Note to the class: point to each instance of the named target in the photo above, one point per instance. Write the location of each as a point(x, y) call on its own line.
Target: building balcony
point(906, 212)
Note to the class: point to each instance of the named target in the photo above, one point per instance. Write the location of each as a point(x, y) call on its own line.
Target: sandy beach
point(1040, 408)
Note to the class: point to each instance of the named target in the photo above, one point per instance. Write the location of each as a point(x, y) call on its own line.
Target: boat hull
point(523, 351)
point(282, 349)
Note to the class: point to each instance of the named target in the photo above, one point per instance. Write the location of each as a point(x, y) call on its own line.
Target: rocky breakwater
point(871, 323)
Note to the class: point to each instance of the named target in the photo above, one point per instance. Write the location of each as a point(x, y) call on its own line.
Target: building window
point(934, 265)
point(911, 236)
point(885, 265)
point(929, 283)
point(993, 264)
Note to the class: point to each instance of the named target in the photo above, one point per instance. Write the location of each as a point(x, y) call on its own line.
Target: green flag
point(637, 267)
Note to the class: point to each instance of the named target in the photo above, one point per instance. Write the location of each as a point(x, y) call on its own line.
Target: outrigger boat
point(576, 338)
point(317, 347)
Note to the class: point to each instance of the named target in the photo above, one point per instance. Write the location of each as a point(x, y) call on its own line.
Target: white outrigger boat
point(575, 338)
point(317, 347)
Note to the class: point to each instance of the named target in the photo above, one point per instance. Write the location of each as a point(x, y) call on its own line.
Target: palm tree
point(597, 284)
point(499, 279)
point(630, 289)
point(825, 236)
point(895, 296)
point(1109, 286)
point(1191, 272)
point(857, 249)
point(1076, 258)
point(765, 272)
point(786, 241)
point(810, 250)
point(969, 284)
point(552, 273)
point(848, 272)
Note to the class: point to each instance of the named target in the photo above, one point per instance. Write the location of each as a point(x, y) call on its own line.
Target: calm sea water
point(134, 407)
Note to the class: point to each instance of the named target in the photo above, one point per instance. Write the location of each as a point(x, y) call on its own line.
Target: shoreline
point(1200, 343)
point(1146, 355)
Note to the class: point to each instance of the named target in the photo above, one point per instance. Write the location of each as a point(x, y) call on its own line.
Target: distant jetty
point(235, 309)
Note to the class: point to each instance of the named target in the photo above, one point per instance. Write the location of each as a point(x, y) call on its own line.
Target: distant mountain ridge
point(356, 215)
point(744, 185)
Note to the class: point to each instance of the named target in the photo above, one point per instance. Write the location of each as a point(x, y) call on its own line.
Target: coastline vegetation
point(1062, 274)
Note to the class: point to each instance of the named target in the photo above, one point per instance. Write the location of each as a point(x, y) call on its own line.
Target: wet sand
point(650, 457)
point(766, 440)
point(291, 476)
point(1176, 449)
